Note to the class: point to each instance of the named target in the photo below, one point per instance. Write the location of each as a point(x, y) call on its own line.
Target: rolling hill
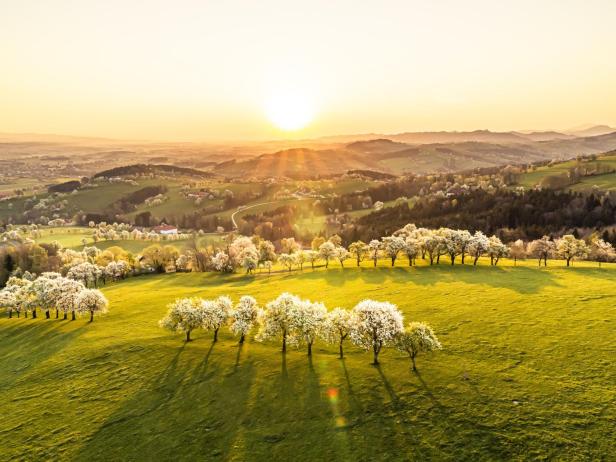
point(463, 151)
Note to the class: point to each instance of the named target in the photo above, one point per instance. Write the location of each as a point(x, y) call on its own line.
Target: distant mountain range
point(421, 153)
point(401, 153)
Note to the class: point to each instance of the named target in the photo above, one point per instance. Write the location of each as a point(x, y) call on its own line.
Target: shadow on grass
point(520, 279)
point(190, 408)
point(24, 347)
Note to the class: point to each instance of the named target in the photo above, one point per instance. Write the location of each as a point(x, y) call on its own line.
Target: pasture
point(527, 372)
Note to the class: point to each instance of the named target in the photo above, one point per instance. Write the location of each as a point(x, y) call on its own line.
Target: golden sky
point(212, 70)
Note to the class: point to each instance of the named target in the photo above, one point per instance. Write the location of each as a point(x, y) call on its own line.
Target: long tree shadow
point(191, 407)
point(23, 349)
point(121, 435)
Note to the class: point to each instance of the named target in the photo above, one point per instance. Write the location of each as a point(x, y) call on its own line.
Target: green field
point(527, 372)
point(71, 237)
point(604, 182)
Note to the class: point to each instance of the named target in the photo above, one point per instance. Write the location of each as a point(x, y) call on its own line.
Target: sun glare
point(289, 110)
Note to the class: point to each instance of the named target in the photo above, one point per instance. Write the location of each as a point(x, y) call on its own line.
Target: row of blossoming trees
point(370, 325)
point(51, 292)
point(411, 241)
point(93, 266)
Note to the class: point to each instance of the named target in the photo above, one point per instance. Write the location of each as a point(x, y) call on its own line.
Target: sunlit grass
point(526, 372)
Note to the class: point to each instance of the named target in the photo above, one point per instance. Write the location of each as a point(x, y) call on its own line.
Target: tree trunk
point(309, 348)
point(326, 262)
point(453, 259)
point(515, 261)
point(375, 259)
point(393, 261)
point(10, 314)
point(463, 255)
point(34, 313)
point(18, 314)
point(340, 349)
point(358, 260)
point(414, 365)
point(375, 350)
point(284, 341)
point(242, 339)
point(438, 259)
point(216, 335)
point(73, 315)
point(57, 313)
point(47, 315)
point(475, 261)
point(91, 315)
point(568, 259)
point(26, 314)
point(65, 315)
point(188, 336)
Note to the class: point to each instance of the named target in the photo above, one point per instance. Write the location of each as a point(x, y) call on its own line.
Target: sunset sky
point(230, 70)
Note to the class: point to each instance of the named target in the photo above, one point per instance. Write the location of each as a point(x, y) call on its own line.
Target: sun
point(289, 110)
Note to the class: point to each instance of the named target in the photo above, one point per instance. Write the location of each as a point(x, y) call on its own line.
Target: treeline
point(370, 325)
point(143, 169)
point(129, 202)
point(527, 215)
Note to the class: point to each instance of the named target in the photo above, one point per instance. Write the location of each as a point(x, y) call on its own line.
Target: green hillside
point(605, 181)
point(527, 372)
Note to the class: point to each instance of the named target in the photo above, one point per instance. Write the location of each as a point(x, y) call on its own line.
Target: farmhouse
point(165, 229)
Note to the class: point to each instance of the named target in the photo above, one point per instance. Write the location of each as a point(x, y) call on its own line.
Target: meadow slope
point(527, 372)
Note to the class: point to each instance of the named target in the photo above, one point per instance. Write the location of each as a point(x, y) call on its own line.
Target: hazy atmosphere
point(363, 231)
point(209, 70)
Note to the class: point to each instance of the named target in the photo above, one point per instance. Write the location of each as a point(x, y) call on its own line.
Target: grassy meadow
point(605, 181)
point(527, 372)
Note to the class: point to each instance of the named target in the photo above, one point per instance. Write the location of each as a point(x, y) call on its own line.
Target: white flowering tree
point(249, 259)
point(327, 250)
point(91, 301)
point(267, 251)
point(337, 327)
point(433, 244)
point(359, 250)
point(244, 316)
point(215, 313)
point(542, 249)
point(275, 320)
point(602, 251)
point(307, 319)
point(496, 250)
point(46, 293)
point(375, 324)
point(375, 247)
point(412, 247)
point(67, 300)
point(478, 245)
point(8, 301)
point(392, 246)
point(342, 254)
point(287, 260)
point(87, 273)
point(222, 262)
point(183, 315)
point(417, 338)
point(116, 270)
point(568, 247)
point(19, 289)
point(312, 256)
point(517, 250)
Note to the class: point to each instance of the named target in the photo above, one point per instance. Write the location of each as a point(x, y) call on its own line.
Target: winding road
point(241, 208)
